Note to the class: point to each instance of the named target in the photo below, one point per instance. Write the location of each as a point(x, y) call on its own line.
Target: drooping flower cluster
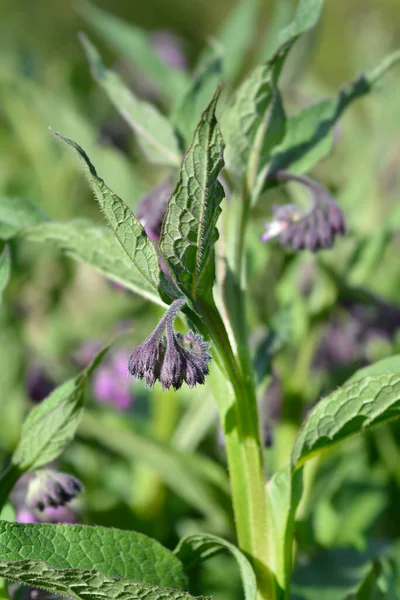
point(171, 358)
point(314, 229)
point(49, 488)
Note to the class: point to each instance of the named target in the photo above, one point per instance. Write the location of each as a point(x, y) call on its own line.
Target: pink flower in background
point(111, 384)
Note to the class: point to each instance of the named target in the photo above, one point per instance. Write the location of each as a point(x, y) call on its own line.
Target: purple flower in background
point(38, 384)
point(111, 384)
point(313, 230)
point(169, 48)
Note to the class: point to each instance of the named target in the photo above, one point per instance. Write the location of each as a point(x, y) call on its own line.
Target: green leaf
point(198, 548)
point(51, 425)
point(155, 133)
point(134, 45)
point(5, 268)
point(351, 409)
point(129, 232)
point(236, 35)
point(252, 126)
point(305, 18)
point(388, 365)
point(82, 584)
point(189, 109)
point(16, 214)
point(309, 134)
point(111, 551)
point(189, 230)
point(202, 483)
point(95, 246)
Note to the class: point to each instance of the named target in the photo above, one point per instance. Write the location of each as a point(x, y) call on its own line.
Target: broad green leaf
point(96, 246)
point(309, 134)
point(237, 34)
point(252, 126)
point(388, 365)
point(199, 481)
point(282, 13)
point(188, 111)
point(305, 18)
point(82, 584)
point(134, 45)
point(16, 214)
point(351, 409)
point(189, 230)
point(113, 552)
point(51, 425)
point(129, 232)
point(154, 132)
point(5, 268)
point(198, 548)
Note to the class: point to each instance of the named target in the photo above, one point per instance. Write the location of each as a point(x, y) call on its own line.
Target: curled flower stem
point(314, 187)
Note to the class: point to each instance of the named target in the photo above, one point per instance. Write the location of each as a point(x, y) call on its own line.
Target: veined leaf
point(236, 35)
point(134, 45)
point(5, 268)
point(82, 584)
point(188, 111)
point(351, 409)
point(253, 125)
point(95, 246)
point(129, 232)
point(189, 230)
point(155, 133)
point(309, 134)
point(113, 552)
point(16, 214)
point(199, 481)
point(198, 548)
point(51, 425)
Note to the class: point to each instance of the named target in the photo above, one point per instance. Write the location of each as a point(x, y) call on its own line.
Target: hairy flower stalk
point(313, 230)
point(171, 358)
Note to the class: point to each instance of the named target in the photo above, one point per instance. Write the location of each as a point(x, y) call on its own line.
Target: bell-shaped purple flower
point(171, 358)
point(314, 229)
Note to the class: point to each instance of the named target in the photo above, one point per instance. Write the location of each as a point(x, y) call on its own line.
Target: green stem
point(8, 479)
point(245, 458)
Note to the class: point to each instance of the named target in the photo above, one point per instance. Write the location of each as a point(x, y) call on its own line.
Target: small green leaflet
point(351, 409)
point(16, 214)
point(309, 134)
point(96, 246)
point(126, 227)
point(155, 133)
point(81, 584)
point(113, 552)
point(198, 548)
point(189, 230)
point(51, 425)
point(134, 45)
point(189, 109)
point(5, 268)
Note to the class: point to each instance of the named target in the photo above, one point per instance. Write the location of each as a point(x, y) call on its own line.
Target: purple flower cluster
point(171, 358)
point(313, 230)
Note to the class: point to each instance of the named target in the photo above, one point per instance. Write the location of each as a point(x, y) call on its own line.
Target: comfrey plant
point(185, 251)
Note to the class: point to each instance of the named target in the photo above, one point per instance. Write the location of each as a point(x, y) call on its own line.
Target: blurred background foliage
point(323, 317)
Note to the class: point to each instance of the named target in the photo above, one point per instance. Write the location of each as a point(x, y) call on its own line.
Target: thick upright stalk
point(245, 460)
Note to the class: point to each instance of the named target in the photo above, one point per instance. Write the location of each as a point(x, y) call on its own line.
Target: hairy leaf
point(5, 268)
point(155, 133)
point(199, 481)
point(309, 134)
point(351, 409)
point(389, 365)
point(113, 552)
point(189, 230)
point(126, 227)
point(252, 125)
point(82, 584)
point(134, 45)
point(51, 425)
point(188, 111)
point(95, 246)
point(16, 214)
point(198, 548)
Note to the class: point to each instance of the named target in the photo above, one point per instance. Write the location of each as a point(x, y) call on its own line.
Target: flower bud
point(49, 488)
